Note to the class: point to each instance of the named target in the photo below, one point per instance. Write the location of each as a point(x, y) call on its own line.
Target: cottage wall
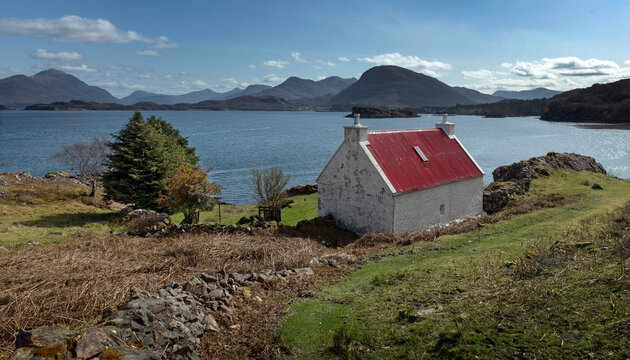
point(418, 210)
point(354, 193)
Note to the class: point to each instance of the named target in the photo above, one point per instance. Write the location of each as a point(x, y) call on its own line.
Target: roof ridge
point(402, 131)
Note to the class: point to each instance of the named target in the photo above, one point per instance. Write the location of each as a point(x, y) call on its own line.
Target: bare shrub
point(86, 160)
point(268, 186)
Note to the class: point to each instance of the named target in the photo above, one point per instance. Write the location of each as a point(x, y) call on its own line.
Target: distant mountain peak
point(394, 86)
point(49, 86)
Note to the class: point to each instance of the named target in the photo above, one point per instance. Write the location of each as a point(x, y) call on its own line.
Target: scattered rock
point(169, 322)
point(4, 183)
point(329, 261)
point(58, 233)
point(43, 337)
point(3, 249)
point(92, 342)
point(596, 186)
point(429, 311)
point(4, 194)
point(33, 243)
point(304, 271)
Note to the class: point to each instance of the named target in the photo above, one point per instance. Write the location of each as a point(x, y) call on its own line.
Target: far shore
point(615, 126)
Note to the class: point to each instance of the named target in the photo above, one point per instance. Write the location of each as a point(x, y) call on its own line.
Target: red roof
point(447, 160)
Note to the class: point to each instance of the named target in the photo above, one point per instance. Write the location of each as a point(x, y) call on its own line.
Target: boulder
point(43, 337)
point(92, 342)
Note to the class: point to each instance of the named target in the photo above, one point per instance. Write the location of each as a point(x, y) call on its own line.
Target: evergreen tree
point(144, 155)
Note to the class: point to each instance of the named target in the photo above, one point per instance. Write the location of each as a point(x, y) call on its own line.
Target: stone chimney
point(448, 127)
point(356, 133)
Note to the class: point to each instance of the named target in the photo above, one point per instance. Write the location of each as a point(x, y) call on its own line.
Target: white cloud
point(229, 84)
point(163, 42)
point(151, 53)
point(251, 66)
point(477, 74)
point(343, 59)
point(507, 65)
point(77, 68)
point(551, 68)
point(272, 79)
point(411, 62)
point(297, 57)
point(199, 83)
point(275, 64)
point(72, 28)
point(562, 73)
point(326, 63)
point(56, 56)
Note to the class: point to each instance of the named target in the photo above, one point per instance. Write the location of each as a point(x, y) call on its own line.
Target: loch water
point(234, 142)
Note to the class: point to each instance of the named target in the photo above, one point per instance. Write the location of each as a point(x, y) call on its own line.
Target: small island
point(2, 107)
point(380, 112)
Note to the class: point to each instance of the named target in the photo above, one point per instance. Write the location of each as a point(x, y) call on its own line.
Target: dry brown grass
point(72, 283)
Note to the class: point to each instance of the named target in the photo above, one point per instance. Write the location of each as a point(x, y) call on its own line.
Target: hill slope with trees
point(609, 103)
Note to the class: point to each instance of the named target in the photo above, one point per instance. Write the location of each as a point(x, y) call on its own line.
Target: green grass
point(486, 313)
point(55, 213)
point(303, 207)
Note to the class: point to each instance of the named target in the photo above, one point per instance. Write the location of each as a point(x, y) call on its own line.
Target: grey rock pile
point(165, 324)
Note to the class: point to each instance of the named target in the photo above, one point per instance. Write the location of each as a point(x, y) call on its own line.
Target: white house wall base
point(417, 210)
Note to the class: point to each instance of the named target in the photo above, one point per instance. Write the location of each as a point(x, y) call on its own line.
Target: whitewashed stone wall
point(353, 192)
point(418, 210)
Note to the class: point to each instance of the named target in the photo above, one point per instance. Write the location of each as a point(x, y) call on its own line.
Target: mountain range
point(389, 86)
point(537, 93)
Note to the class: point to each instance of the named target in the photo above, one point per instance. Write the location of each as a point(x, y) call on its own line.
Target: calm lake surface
point(233, 142)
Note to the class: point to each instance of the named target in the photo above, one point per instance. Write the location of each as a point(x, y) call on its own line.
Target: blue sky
point(176, 47)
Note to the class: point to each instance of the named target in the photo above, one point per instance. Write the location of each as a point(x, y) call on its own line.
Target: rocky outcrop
point(166, 324)
point(541, 165)
point(514, 179)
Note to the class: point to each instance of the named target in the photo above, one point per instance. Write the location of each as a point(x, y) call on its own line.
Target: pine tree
point(144, 155)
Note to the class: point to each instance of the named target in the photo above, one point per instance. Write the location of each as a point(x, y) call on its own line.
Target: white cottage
point(399, 181)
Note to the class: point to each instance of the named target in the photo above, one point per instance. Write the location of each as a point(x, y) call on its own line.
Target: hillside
point(394, 87)
point(295, 88)
point(263, 103)
point(2, 107)
point(46, 87)
point(608, 103)
point(503, 108)
point(537, 93)
point(541, 284)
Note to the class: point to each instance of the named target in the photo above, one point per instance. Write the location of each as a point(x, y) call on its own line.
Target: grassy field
point(303, 207)
point(52, 211)
point(48, 211)
point(541, 285)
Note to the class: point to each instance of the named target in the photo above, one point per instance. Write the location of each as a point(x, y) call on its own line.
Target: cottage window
point(442, 209)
